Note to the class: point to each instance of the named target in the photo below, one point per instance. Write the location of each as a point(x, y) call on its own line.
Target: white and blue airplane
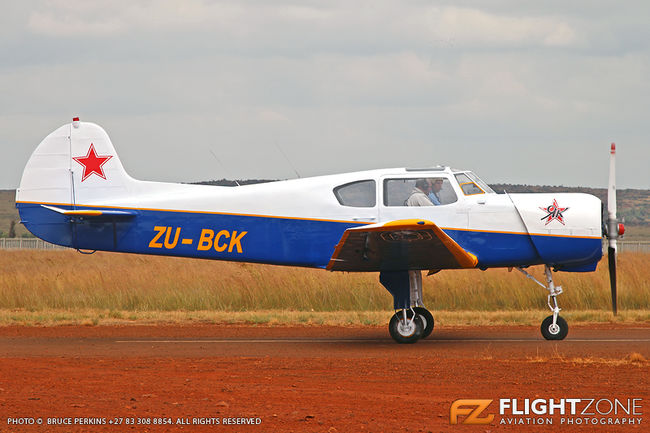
point(398, 222)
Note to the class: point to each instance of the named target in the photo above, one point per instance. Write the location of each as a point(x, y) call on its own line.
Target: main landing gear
point(406, 326)
point(553, 327)
point(411, 320)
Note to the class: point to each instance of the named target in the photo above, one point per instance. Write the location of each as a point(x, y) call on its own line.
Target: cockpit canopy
point(419, 187)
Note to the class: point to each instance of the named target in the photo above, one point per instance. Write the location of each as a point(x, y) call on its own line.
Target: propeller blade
point(611, 188)
point(611, 255)
point(612, 224)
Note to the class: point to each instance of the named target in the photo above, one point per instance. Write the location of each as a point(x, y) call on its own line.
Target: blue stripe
point(267, 240)
point(497, 249)
point(281, 241)
point(510, 249)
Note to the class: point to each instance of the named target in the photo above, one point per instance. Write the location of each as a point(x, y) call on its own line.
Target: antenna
point(223, 167)
point(285, 157)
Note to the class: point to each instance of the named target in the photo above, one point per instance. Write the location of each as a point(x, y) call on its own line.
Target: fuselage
point(299, 222)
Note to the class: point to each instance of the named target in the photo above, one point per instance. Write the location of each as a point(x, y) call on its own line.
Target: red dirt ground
point(311, 379)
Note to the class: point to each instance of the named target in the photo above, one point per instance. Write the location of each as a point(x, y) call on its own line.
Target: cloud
point(459, 82)
point(340, 21)
point(108, 18)
point(62, 18)
point(477, 28)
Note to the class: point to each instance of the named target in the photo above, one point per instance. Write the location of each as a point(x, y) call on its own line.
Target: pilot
point(418, 196)
point(434, 194)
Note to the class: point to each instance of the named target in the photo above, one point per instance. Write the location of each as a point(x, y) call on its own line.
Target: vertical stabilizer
point(76, 164)
point(73, 166)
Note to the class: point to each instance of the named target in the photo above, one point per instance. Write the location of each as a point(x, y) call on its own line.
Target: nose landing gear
point(554, 331)
point(553, 327)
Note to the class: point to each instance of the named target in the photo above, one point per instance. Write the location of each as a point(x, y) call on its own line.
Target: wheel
point(405, 333)
point(427, 320)
point(557, 332)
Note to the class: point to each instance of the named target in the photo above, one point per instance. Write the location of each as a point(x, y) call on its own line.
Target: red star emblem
point(92, 163)
point(554, 212)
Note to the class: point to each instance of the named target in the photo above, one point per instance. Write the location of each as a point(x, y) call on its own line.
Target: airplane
point(399, 222)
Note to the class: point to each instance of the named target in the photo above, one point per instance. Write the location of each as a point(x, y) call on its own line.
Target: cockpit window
point(357, 194)
point(423, 191)
point(467, 184)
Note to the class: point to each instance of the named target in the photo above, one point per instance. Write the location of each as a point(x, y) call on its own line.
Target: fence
point(633, 246)
point(27, 244)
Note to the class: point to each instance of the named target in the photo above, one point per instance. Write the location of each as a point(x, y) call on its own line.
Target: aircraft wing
point(399, 245)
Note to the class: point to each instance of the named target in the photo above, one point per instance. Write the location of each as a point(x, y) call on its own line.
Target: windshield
point(471, 184)
point(484, 186)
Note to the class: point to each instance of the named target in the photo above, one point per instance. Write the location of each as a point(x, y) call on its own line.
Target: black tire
point(405, 336)
point(427, 320)
point(559, 333)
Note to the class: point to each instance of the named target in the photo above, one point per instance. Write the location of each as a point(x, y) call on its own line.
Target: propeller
point(614, 228)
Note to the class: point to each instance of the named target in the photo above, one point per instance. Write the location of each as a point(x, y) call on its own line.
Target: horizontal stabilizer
point(399, 245)
point(90, 213)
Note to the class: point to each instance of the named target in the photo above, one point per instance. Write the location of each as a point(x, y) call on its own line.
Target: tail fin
point(76, 164)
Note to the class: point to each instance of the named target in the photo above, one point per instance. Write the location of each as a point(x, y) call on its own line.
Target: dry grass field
point(65, 286)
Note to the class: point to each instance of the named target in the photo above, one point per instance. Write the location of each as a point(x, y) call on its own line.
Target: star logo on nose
point(92, 163)
point(553, 212)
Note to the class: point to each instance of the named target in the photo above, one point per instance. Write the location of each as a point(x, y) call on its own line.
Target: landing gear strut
point(553, 327)
point(411, 320)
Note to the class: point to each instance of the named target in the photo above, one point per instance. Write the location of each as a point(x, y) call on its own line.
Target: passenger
point(434, 195)
point(418, 196)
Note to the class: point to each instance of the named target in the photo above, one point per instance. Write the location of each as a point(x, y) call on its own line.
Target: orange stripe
point(83, 212)
point(305, 219)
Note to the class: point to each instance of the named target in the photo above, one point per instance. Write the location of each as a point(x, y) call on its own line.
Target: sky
point(518, 92)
